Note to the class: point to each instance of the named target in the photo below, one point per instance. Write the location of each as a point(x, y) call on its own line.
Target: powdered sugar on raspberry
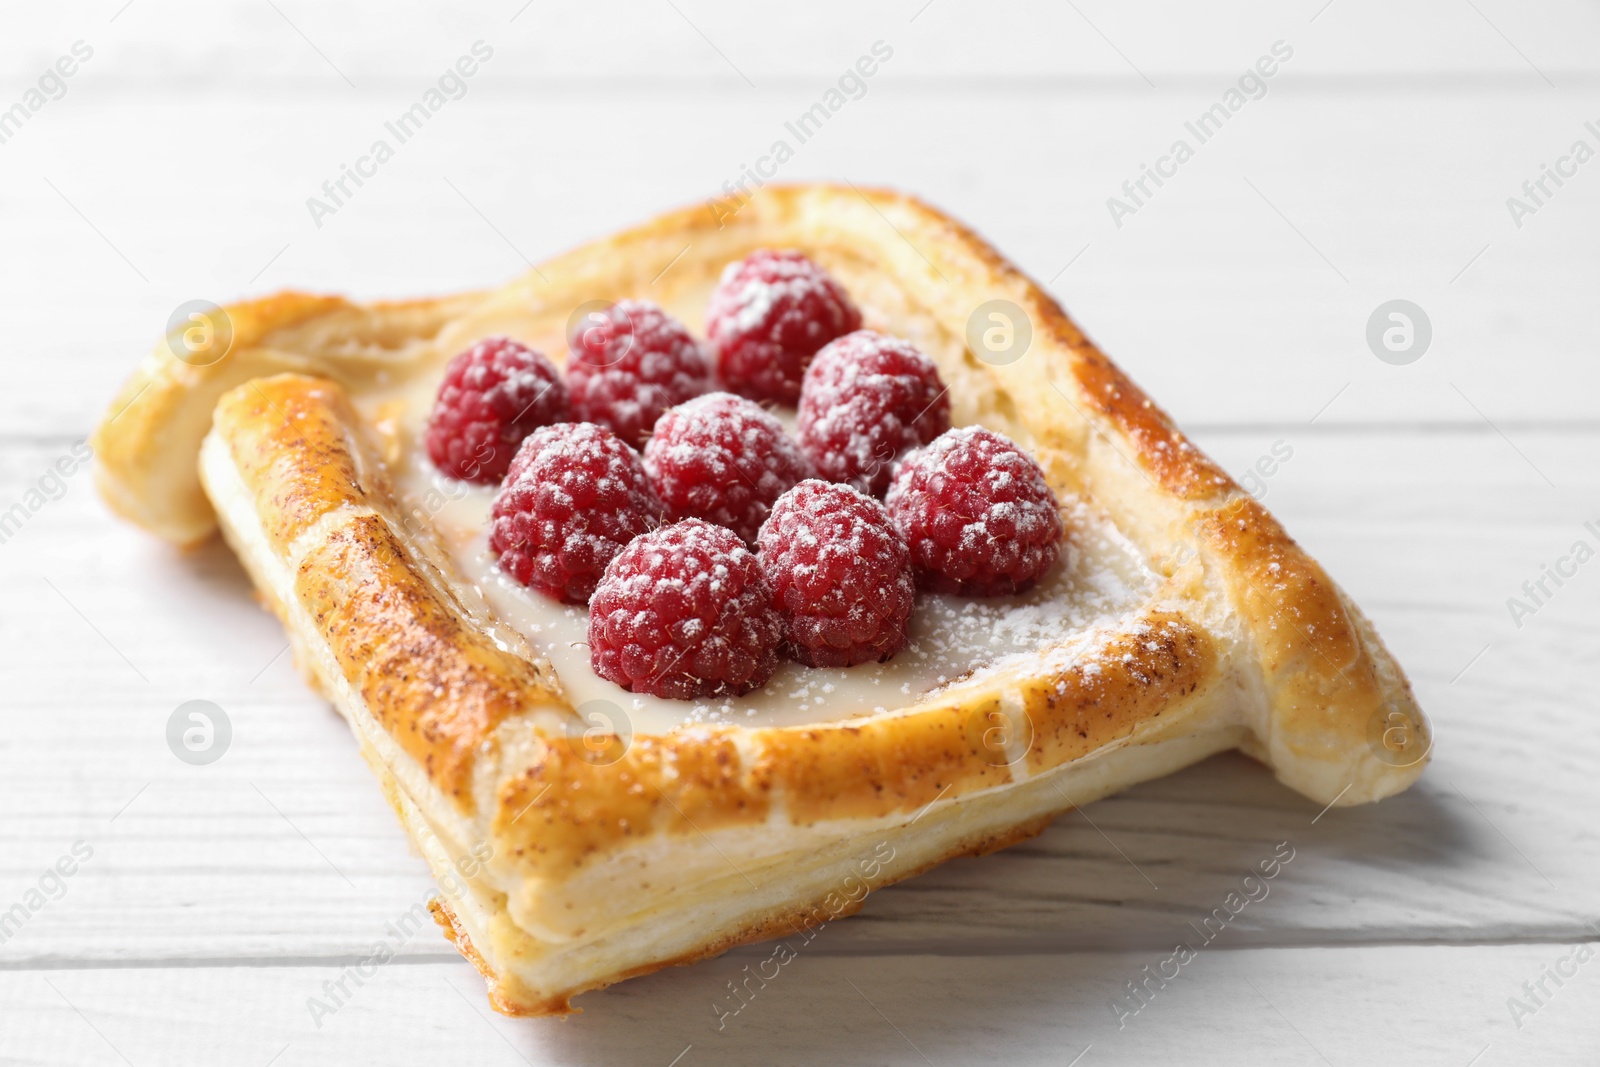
point(866, 399)
point(724, 459)
point(769, 315)
point(754, 299)
point(575, 495)
point(492, 395)
point(839, 574)
point(683, 613)
point(977, 513)
point(632, 366)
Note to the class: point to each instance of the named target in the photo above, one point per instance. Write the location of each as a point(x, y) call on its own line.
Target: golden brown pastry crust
point(1244, 610)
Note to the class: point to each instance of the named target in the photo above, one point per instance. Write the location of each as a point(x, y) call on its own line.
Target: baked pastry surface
point(582, 835)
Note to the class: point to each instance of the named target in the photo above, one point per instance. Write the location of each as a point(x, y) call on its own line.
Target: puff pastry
point(576, 850)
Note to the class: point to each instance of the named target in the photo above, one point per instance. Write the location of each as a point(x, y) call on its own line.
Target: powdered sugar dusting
point(754, 301)
point(634, 364)
point(866, 399)
point(722, 458)
point(768, 316)
point(840, 574)
point(977, 513)
point(575, 495)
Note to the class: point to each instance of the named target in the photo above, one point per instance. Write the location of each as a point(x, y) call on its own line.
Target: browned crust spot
point(1294, 611)
point(295, 442)
point(1166, 454)
point(435, 682)
point(566, 806)
point(897, 763)
point(1129, 681)
point(146, 444)
point(1320, 675)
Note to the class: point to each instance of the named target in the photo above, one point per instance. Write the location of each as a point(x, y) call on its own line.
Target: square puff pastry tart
point(581, 834)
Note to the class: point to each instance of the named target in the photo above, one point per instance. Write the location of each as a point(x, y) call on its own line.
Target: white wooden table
point(216, 900)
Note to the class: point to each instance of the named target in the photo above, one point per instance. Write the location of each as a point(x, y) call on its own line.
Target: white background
point(1378, 165)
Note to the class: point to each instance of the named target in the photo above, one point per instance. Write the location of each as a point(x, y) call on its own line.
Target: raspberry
point(631, 363)
point(721, 458)
point(492, 396)
point(769, 315)
point(575, 496)
point(839, 574)
point(977, 514)
point(682, 613)
point(866, 399)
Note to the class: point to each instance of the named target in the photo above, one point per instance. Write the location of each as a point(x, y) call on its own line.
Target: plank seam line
point(975, 951)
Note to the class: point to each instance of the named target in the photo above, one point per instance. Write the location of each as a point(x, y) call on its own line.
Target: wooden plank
point(284, 849)
point(1285, 1006)
point(1378, 166)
